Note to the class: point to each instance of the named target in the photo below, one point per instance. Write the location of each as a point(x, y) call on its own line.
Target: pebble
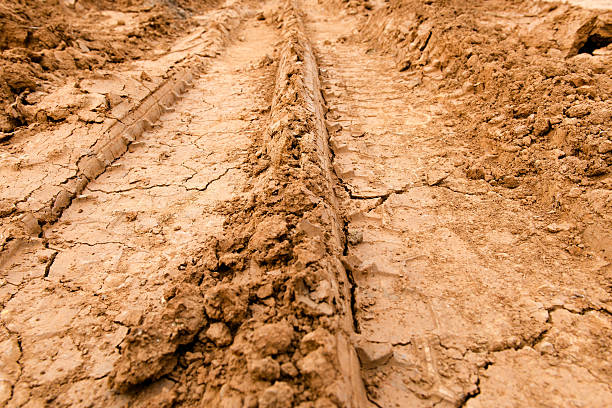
point(374, 354)
point(355, 237)
point(545, 348)
point(559, 227)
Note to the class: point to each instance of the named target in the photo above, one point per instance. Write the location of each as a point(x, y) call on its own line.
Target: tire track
point(114, 250)
point(276, 322)
point(448, 273)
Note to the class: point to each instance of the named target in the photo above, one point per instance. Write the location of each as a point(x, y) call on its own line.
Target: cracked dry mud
point(321, 204)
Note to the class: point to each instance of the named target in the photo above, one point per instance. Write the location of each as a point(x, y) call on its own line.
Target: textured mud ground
point(312, 203)
point(45, 43)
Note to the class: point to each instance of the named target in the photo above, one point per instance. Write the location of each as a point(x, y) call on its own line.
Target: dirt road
point(289, 207)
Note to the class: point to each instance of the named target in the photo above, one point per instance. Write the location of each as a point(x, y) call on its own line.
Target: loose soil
point(43, 43)
point(306, 203)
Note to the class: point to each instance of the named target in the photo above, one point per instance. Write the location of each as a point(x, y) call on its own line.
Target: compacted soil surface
point(305, 203)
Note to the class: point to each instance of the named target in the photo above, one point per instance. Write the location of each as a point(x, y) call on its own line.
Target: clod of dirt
point(226, 303)
point(270, 286)
point(43, 42)
point(149, 352)
point(219, 334)
point(279, 395)
point(266, 369)
point(372, 354)
point(273, 338)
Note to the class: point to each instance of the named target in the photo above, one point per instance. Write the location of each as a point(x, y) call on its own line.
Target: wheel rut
point(105, 263)
point(449, 273)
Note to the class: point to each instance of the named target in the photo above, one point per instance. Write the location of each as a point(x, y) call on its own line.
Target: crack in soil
point(18, 361)
point(124, 190)
point(50, 264)
point(533, 341)
point(351, 279)
point(213, 180)
point(75, 243)
point(470, 395)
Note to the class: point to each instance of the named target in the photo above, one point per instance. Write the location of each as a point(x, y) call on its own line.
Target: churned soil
point(43, 42)
point(475, 268)
point(305, 203)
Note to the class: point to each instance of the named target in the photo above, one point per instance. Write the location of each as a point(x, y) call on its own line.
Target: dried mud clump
point(155, 348)
point(535, 95)
point(264, 314)
point(43, 41)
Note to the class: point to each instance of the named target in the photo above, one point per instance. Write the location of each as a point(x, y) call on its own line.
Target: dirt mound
point(534, 85)
point(43, 41)
point(263, 314)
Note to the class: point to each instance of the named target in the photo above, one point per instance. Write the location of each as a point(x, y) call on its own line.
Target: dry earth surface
point(309, 203)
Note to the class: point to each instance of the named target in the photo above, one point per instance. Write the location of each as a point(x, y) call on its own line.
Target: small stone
point(354, 236)
point(374, 354)
point(260, 16)
point(219, 334)
point(265, 291)
point(520, 131)
point(435, 177)
point(559, 227)
point(266, 369)
point(468, 87)
point(509, 182)
point(541, 127)
point(289, 370)
point(545, 348)
point(578, 111)
point(113, 281)
point(475, 173)
point(605, 147)
point(280, 395)
point(129, 317)
point(526, 141)
point(574, 192)
point(513, 341)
